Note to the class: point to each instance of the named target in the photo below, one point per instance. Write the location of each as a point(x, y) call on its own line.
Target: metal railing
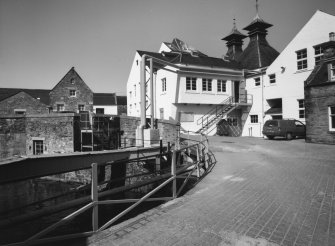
point(203, 159)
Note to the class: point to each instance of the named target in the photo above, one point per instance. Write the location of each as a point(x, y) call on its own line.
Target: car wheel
point(270, 137)
point(289, 136)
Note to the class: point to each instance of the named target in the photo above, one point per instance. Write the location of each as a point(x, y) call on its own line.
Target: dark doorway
point(236, 91)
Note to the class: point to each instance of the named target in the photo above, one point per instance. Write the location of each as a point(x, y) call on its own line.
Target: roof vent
point(332, 36)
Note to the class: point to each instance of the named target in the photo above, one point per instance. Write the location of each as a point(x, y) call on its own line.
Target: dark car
point(288, 128)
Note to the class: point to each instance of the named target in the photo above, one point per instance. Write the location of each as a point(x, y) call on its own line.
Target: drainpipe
point(143, 104)
point(152, 91)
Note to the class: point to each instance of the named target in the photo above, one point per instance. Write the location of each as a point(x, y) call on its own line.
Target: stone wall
point(167, 130)
point(60, 94)
point(22, 101)
point(317, 101)
point(56, 131)
point(12, 136)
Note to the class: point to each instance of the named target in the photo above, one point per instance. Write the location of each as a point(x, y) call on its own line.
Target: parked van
point(288, 128)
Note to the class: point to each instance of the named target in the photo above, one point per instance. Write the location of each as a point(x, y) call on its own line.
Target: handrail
point(203, 158)
point(227, 101)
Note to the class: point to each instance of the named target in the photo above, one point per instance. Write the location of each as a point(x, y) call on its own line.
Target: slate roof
point(319, 75)
point(121, 100)
point(101, 99)
point(258, 53)
point(35, 93)
point(188, 59)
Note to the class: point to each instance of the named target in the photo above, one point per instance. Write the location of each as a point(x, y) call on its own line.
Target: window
point(206, 85)
point(332, 71)
point(301, 103)
point(331, 111)
point(19, 111)
point(302, 59)
point(60, 107)
point(81, 107)
point(37, 147)
point(318, 52)
point(100, 111)
point(254, 118)
point(130, 94)
point(232, 121)
point(186, 116)
point(134, 90)
point(161, 113)
point(164, 85)
point(73, 81)
point(272, 78)
point(221, 84)
point(72, 93)
point(191, 84)
point(257, 81)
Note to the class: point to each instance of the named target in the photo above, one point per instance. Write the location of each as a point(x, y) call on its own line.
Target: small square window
point(100, 111)
point(257, 81)
point(72, 93)
point(60, 107)
point(272, 78)
point(254, 118)
point(81, 107)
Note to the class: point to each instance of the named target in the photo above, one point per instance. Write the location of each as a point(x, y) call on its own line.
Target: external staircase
point(216, 114)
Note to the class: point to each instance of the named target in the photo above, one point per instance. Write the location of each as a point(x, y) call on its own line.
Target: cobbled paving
point(260, 192)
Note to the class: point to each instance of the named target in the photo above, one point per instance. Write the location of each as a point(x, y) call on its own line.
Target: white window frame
point(257, 81)
point(272, 78)
point(20, 111)
point(163, 84)
point(221, 85)
point(60, 107)
point(318, 54)
point(302, 63)
point(332, 71)
point(206, 85)
point(301, 106)
point(254, 118)
point(191, 84)
point(73, 93)
point(330, 117)
point(81, 106)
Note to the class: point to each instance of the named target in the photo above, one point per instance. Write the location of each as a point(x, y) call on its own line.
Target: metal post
point(152, 92)
point(173, 173)
point(198, 161)
point(94, 197)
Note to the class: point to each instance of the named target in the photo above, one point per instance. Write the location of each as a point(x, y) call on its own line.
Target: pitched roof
point(104, 99)
point(43, 95)
point(188, 59)
point(121, 100)
point(258, 54)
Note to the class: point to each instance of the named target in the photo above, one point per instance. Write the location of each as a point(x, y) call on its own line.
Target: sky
point(40, 40)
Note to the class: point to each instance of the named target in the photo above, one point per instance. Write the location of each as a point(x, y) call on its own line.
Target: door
point(236, 91)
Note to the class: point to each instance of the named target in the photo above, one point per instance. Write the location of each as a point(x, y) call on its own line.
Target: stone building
point(320, 97)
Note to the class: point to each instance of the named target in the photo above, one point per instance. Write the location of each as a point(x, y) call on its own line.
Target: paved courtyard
point(261, 192)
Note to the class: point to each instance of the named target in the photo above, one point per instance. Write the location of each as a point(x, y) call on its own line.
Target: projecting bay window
point(206, 85)
point(301, 59)
point(318, 54)
point(221, 85)
point(301, 103)
point(331, 112)
point(191, 84)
